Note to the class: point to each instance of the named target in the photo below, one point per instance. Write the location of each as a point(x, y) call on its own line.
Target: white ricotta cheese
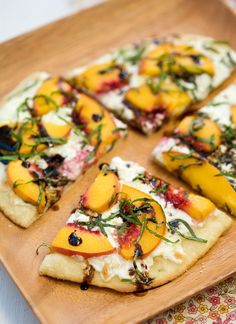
point(220, 108)
point(9, 111)
point(61, 116)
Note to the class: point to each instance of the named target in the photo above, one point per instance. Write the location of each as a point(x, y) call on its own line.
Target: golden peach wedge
point(98, 123)
point(26, 132)
point(202, 133)
point(20, 179)
point(169, 98)
point(203, 177)
point(233, 114)
point(199, 207)
point(148, 241)
point(178, 59)
point(56, 131)
point(72, 240)
point(29, 142)
point(50, 95)
point(102, 194)
point(102, 78)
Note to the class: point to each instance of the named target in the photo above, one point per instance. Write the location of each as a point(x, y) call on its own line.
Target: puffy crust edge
point(71, 268)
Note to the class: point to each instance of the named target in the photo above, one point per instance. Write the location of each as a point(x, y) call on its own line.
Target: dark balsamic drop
point(25, 164)
point(196, 59)
point(84, 286)
point(74, 240)
point(55, 207)
point(96, 117)
point(123, 74)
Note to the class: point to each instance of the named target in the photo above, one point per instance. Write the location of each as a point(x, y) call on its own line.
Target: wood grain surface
point(61, 46)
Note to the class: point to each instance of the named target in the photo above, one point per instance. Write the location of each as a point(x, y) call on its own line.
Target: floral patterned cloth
point(216, 305)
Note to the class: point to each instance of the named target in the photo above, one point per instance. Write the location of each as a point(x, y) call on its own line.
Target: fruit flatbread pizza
point(133, 231)
point(202, 150)
point(49, 135)
point(146, 83)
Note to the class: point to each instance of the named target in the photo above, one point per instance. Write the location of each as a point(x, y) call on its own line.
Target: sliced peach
point(202, 133)
point(29, 143)
point(102, 78)
point(20, 179)
point(98, 123)
point(50, 95)
point(93, 243)
point(203, 177)
point(55, 130)
point(27, 133)
point(169, 98)
point(102, 194)
point(143, 98)
point(148, 241)
point(233, 114)
point(177, 59)
point(196, 206)
point(199, 207)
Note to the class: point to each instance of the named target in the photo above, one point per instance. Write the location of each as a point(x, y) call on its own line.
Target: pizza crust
point(71, 268)
point(16, 209)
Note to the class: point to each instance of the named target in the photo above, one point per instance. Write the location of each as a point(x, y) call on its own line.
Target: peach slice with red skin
point(20, 179)
point(93, 116)
point(50, 95)
point(203, 177)
point(199, 207)
point(202, 133)
point(196, 206)
point(148, 241)
point(102, 78)
point(29, 143)
point(172, 100)
point(102, 194)
point(93, 243)
point(179, 59)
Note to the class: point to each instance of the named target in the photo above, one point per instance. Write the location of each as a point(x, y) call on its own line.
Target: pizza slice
point(145, 84)
point(133, 231)
point(49, 135)
point(202, 150)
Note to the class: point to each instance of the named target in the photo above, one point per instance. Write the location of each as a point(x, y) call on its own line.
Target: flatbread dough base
point(21, 213)
point(18, 211)
point(70, 268)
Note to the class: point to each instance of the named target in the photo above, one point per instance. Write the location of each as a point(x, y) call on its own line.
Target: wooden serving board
point(57, 48)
